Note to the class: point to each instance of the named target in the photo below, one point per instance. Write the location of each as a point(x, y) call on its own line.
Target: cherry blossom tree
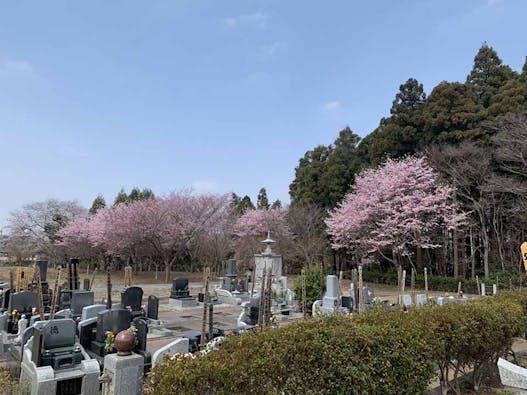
point(37, 224)
point(159, 229)
point(396, 207)
point(252, 227)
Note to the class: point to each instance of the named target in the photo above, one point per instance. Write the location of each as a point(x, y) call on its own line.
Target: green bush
point(380, 352)
point(315, 287)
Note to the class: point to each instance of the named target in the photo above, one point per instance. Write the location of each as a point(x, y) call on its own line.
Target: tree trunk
point(485, 242)
point(167, 270)
point(472, 255)
point(455, 252)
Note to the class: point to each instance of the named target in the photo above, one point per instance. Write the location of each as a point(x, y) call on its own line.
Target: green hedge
point(380, 352)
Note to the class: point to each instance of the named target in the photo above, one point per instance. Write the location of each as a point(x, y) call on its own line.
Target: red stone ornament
point(124, 342)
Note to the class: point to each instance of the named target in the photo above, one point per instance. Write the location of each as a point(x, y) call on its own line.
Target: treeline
point(474, 133)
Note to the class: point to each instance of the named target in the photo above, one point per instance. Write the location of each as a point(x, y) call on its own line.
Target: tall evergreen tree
point(262, 200)
point(246, 204)
point(400, 134)
point(276, 204)
point(488, 74)
point(452, 113)
point(121, 197)
point(97, 204)
point(512, 97)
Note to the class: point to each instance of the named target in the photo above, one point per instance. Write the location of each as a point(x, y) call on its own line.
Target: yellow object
point(523, 249)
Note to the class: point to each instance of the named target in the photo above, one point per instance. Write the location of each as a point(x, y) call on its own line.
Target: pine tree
point(262, 201)
point(488, 74)
point(97, 204)
point(121, 197)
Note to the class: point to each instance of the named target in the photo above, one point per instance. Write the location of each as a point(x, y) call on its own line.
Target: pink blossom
point(398, 206)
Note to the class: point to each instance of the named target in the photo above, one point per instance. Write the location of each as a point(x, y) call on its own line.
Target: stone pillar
point(123, 375)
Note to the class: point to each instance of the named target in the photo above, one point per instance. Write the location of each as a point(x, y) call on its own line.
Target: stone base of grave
point(123, 375)
point(513, 375)
point(227, 297)
point(182, 303)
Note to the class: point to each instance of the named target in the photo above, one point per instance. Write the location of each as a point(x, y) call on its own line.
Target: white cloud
point(258, 19)
point(205, 186)
point(332, 106)
point(272, 49)
point(16, 66)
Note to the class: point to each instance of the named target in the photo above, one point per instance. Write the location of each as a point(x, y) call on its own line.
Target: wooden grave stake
point(304, 293)
point(269, 284)
point(403, 281)
point(205, 307)
point(39, 293)
point(426, 285)
point(54, 298)
point(261, 305)
point(362, 306)
point(412, 286)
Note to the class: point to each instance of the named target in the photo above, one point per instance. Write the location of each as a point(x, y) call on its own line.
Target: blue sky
point(217, 95)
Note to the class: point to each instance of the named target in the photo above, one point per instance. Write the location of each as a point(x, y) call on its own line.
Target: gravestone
point(132, 297)
point(330, 303)
point(112, 320)
point(23, 302)
point(407, 300)
point(91, 311)
point(420, 299)
point(59, 345)
point(229, 282)
point(5, 298)
point(180, 288)
point(86, 284)
point(153, 307)
point(227, 297)
point(369, 294)
point(109, 320)
point(79, 300)
point(141, 337)
point(180, 294)
point(142, 331)
point(512, 375)
point(332, 291)
point(52, 361)
point(178, 346)
point(441, 300)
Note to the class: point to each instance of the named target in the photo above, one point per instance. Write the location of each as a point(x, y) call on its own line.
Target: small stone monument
point(330, 303)
point(180, 294)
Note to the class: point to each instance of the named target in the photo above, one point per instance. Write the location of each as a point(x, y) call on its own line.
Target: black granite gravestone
point(132, 297)
point(180, 288)
point(5, 298)
point(86, 284)
point(153, 307)
point(23, 302)
point(79, 300)
point(112, 320)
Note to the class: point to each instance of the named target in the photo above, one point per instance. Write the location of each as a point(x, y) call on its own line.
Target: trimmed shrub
point(315, 287)
point(380, 352)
